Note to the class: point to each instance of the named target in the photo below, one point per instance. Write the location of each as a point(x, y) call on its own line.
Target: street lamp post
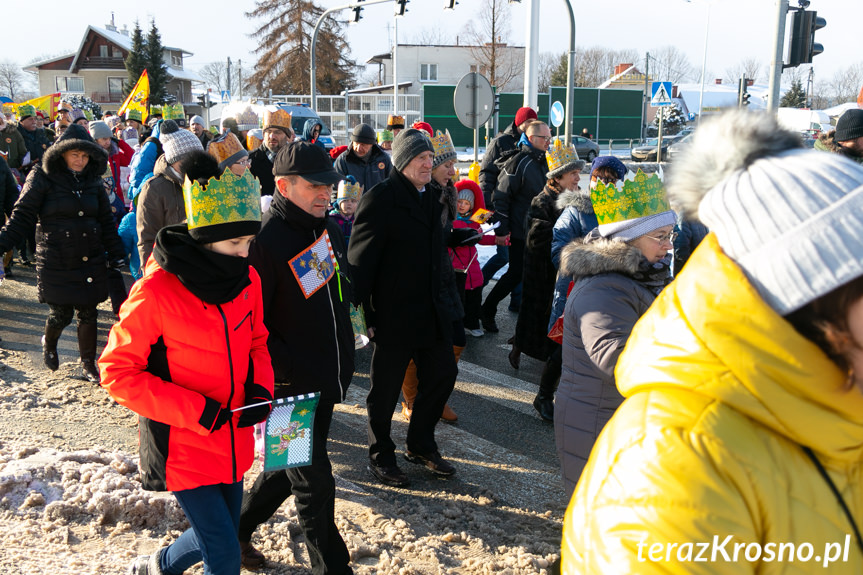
point(704, 64)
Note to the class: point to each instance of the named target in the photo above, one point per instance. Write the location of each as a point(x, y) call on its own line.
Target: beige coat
point(160, 204)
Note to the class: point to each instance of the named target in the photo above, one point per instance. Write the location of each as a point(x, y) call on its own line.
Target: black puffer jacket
point(522, 177)
point(311, 340)
point(75, 225)
point(489, 170)
point(369, 171)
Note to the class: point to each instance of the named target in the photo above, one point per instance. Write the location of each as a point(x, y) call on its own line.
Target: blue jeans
point(214, 514)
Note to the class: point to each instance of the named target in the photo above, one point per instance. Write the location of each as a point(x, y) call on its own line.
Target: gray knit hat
point(99, 129)
point(197, 120)
point(791, 218)
point(176, 142)
point(409, 144)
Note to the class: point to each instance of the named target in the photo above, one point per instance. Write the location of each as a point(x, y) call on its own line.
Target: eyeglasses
point(546, 138)
point(664, 239)
point(244, 162)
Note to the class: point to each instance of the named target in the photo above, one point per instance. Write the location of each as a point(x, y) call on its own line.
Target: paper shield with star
point(314, 266)
point(289, 432)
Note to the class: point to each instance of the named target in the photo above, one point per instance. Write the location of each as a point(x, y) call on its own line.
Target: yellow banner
point(139, 98)
point(46, 104)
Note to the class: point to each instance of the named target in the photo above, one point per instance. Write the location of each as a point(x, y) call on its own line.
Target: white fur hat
point(791, 218)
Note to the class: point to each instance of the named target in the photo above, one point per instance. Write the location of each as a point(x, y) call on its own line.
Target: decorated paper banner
point(46, 104)
point(289, 432)
point(358, 322)
point(481, 215)
point(139, 98)
point(314, 266)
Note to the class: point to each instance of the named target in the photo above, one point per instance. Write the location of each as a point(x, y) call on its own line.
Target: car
point(678, 146)
point(300, 113)
point(586, 149)
point(647, 151)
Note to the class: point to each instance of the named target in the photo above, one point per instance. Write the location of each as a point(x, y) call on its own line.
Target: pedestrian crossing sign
point(660, 94)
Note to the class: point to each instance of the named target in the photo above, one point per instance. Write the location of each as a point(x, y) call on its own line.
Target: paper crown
point(155, 110)
point(561, 159)
point(229, 199)
point(385, 136)
point(640, 196)
point(113, 121)
point(247, 119)
point(277, 119)
point(349, 189)
point(26, 110)
point(173, 112)
point(443, 147)
point(254, 139)
point(64, 106)
point(88, 114)
point(227, 150)
point(395, 121)
point(132, 114)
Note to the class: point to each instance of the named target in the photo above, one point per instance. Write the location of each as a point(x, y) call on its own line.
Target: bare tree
point(431, 36)
point(548, 62)
point(488, 34)
point(592, 66)
point(12, 79)
point(672, 65)
point(845, 84)
point(215, 75)
point(749, 67)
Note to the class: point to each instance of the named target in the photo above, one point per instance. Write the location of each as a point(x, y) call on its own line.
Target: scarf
point(211, 277)
point(654, 276)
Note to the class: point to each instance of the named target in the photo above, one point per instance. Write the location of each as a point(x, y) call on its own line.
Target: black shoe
point(545, 407)
point(49, 354)
point(488, 323)
point(389, 475)
point(514, 307)
point(91, 372)
point(514, 357)
point(437, 464)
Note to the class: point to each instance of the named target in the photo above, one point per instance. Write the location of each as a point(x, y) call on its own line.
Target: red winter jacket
point(120, 159)
point(464, 258)
point(165, 355)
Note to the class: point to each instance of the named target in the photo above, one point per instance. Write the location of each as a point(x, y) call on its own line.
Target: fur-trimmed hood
point(53, 163)
point(596, 255)
point(826, 143)
point(578, 199)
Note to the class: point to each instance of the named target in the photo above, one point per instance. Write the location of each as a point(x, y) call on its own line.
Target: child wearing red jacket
point(189, 348)
point(464, 259)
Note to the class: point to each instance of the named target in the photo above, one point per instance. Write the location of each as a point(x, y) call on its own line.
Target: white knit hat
point(176, 142)
point(791, 218)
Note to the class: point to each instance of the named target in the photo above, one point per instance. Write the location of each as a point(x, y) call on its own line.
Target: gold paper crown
point(640, 196)
point(254, 139)
point(349, 190)
point(277, 119)
point(225, 147)
point(173, 112)
point(230, 198)
point(559, 156)
point(247, 119)
point(442, 144)
point(395, 121)
point(156, 110)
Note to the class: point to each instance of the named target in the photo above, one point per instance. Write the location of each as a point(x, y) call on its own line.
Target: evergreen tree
point(84, 103)
point(672, 120)
point(795, 97)
point(285, 39)
point(136, 61)
point(157, 71)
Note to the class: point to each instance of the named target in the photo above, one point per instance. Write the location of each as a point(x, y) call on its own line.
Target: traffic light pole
point(777, 64)
point(312, 65)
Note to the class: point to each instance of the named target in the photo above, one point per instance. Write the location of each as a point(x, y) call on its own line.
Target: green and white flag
point(288, 438)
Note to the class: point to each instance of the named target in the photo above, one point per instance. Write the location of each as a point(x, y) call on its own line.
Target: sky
point(218, 29)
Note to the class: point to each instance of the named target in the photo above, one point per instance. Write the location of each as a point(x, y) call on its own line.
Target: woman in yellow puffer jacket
point(739, 446)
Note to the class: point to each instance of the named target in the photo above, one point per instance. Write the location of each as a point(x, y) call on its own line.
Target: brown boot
point(448, 415)
point(409, 390)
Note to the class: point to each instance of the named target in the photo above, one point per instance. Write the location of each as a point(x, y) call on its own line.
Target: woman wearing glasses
point(230, 153)
point(619, 268)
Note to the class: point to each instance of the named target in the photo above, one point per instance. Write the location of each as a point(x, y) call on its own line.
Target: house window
point(428, 72)
point(103, 51)
point(176, 60)
point(117, 53)
point(69, 84)
point(115, 86)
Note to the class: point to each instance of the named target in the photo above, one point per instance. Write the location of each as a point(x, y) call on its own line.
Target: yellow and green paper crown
point(230, 199)
point(640, 196)
point(25, 110)
point(156, 110)
point(173, 112)
point(133, 114)
point(561, 159)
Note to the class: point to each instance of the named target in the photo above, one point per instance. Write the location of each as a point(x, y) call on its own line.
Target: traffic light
point(401, 7)
point(357, 12)
point(205, 102)
point(450, 5)
point(742, 94)
point(804, 24)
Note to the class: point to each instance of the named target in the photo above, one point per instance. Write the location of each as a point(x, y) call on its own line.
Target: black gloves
point(214, 415)
point(255, 394)
point(117, 264)
point(462, 237)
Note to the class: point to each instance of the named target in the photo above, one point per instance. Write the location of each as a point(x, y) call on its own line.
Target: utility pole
point(228, 82)
point(810, 87)
point(531, 53)
point(777, 64)
point(646, 97)
point(240, 77)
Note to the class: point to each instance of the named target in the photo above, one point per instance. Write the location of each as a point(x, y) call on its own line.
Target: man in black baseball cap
point(311, 344)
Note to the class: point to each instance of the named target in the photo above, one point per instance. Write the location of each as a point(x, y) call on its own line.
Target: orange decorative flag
point(139, 98)
point(860, 98)
point(46, 104)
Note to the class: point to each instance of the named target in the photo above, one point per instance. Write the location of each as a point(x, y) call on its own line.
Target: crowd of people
point(698, 346)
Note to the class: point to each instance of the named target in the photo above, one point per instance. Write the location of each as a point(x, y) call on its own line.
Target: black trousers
point(510, 279)
point(315, 490)
point(59, 316)
point(436, 372)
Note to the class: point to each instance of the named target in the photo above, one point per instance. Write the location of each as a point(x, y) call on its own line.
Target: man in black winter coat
point(8, 197)
point(364, 160)
point(311, 343)
point(398, 227)
point(523, 177)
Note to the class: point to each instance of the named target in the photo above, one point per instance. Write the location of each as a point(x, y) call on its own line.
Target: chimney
point(620, 68)
point(125, 31)
point(750, 82)
point(718, 81)
point(111, 26)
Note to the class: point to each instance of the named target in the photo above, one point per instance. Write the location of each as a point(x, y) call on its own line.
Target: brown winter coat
point(826, 143)
point(160, 204)
point(12, 143)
